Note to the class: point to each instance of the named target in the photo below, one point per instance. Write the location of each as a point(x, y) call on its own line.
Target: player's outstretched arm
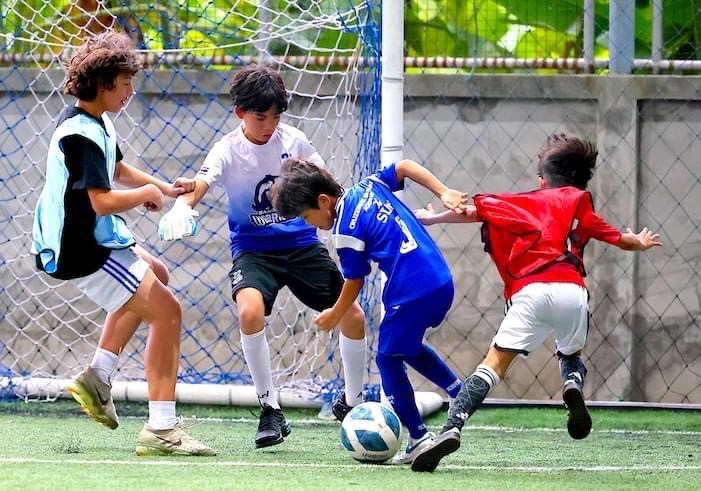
point(329, 318)
point(451, 198)
point(642, 241)
point(428, 216)
point(111, 201)
point(130, 176)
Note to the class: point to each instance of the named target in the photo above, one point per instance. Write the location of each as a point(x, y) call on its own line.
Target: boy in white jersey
point(79, 237)
point(269, 251)
point(370, 223)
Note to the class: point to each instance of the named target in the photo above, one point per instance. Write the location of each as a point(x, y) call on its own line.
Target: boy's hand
point(181, 185)
point(454, 200)
point(179, 222)
point(327, 320)
point(646, 239)
point(425, 215)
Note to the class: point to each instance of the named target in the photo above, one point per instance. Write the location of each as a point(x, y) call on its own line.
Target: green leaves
point(457, 28)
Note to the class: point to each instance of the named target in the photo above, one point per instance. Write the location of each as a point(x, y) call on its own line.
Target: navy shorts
point(403, 327)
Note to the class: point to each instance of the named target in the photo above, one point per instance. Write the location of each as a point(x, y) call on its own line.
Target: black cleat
point(444, 444)
point(340, 408)
point(272, 427)
point(578, 421)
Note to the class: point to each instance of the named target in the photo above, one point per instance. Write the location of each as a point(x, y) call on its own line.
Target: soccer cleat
point(428, 457)
point(578, 420)
point(413, 449)
point(94, 397)
point(272, 427)
point(340, 408)
point(173, 441)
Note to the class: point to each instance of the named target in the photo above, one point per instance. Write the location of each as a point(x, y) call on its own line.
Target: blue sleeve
point(354, 264)
point(349, 238)
point(388, 175)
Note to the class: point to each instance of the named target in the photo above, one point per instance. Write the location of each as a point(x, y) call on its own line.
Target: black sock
point(572, 365)
point(473, 392)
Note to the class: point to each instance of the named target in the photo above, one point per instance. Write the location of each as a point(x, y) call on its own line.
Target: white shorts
point(541, 309)
point(116, 281)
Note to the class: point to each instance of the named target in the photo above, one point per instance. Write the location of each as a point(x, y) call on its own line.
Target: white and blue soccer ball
point(370, 432)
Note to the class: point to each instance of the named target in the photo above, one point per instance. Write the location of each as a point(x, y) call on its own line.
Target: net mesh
point(485, 82)
point(324, 51)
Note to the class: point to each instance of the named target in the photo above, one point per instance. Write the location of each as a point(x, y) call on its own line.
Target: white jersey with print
point(247, 171)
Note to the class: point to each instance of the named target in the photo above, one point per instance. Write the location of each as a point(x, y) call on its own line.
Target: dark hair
point(258, 88)
point(567, 161)
point(299, 187)
point(99, 60)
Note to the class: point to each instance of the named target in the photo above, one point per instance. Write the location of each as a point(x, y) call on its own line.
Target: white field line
point(178, 462)
point(194, 421)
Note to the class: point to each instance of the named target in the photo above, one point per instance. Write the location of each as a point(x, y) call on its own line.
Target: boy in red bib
point(536, 240)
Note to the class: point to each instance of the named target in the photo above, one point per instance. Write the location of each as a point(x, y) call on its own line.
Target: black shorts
point(309, 272)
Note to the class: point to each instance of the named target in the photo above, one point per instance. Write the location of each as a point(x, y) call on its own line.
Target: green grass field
point(51, 446)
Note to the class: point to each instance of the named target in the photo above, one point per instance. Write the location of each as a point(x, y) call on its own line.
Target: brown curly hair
point(98, 61)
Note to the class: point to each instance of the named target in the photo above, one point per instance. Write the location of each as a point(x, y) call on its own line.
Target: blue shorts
point(403, 327)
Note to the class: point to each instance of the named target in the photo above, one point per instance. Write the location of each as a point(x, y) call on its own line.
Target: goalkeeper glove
point(179, 222)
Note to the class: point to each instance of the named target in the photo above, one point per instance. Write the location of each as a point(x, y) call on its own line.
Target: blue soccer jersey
point(372, 224)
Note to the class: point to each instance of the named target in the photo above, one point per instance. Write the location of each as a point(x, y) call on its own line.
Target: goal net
point(327, 53)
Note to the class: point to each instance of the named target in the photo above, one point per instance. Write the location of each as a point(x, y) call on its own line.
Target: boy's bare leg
point(92, 388)
point(352, 324)
point(272, 425)
point(121, 325)
point(157, 306)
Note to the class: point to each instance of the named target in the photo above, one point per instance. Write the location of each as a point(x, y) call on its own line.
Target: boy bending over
point(371, 224)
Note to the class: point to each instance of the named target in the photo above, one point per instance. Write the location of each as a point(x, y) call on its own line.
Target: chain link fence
point(485, 83)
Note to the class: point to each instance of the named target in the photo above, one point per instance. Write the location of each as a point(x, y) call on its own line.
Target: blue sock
point(400, 393)
point(429, 364)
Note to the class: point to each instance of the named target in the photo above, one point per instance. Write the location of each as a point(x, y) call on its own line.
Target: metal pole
point(657, 41)
point(588, 31)
point(392, 81)
point(621, 35)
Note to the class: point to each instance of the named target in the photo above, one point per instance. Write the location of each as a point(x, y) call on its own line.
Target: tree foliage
point(458, 28)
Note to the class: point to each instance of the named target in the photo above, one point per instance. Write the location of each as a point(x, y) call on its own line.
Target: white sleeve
point(216, 161)
point(307, 151)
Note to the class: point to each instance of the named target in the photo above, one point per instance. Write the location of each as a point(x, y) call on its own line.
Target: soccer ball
point(370, 432)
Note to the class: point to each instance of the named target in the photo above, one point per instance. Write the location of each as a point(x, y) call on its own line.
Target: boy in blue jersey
point(78, 236)
point(370, 223)
point(269, 251)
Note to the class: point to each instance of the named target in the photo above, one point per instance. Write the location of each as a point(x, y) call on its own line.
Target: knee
point(251, 318)
point(353, 323)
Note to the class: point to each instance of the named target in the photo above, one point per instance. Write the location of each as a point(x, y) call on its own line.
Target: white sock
point(104, 363)
point(353, 353)
point(257, 353)
point(487, 373)
point(161, 415)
